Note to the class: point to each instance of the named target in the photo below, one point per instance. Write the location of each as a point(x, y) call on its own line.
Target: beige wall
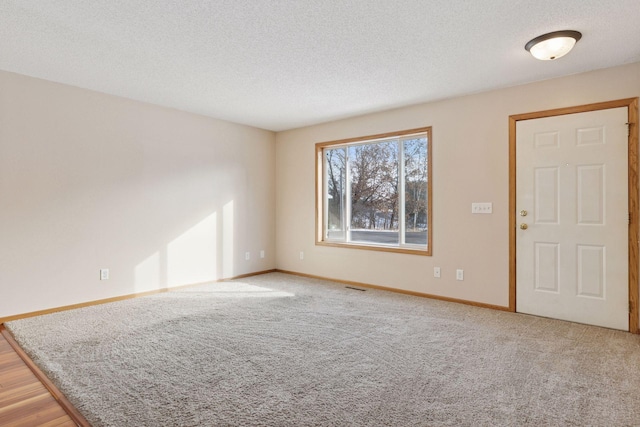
point(160, 197)
point(470, 164)
point(164, 198)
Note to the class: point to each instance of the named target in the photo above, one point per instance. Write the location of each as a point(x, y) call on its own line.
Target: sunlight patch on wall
point(191, 257)
point(147, 274)
point(227, 240)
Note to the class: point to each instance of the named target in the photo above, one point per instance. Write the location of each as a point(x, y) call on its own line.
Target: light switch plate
point(482, 208)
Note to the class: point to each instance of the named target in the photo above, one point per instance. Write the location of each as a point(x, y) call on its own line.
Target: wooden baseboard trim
point(242, 276)
point(399, 291)
point(122, 298)
point(73, 413)
point(294, 273)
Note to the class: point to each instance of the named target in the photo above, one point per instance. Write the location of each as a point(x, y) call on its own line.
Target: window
point(375, 192)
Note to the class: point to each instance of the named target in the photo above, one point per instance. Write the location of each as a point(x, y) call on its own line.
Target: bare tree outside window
point(336, 181)
point(415, 187)
point(374, 192)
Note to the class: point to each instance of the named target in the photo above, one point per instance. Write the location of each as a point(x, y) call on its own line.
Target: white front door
point(572, 218)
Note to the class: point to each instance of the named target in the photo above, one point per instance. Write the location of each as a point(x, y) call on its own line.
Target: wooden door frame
point(634, 218)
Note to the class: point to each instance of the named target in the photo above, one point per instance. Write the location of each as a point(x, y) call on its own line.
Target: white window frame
point(322, 205)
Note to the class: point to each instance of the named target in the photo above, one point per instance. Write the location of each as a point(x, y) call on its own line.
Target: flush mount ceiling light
point(553, 45)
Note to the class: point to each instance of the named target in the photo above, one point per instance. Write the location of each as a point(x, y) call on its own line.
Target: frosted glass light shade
point(553, 45)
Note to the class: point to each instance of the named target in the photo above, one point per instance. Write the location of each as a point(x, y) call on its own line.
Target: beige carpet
point(279, 350)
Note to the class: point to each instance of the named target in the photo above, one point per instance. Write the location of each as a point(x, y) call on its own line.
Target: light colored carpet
point(279, 350)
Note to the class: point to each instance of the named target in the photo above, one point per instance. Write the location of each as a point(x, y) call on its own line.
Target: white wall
point(158, 196)
point(470, 164)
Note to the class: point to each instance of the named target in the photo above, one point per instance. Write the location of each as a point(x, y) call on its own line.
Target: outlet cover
point(436, 272)
point(104, 274)
point(459, 274)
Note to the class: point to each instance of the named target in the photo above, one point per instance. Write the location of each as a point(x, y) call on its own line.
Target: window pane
point(336, 195)
point(374, 192)
point(415, 186)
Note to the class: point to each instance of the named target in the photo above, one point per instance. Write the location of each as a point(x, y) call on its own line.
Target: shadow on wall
point(198, 255)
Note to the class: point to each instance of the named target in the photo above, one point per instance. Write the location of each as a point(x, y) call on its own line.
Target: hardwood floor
point(26, 400)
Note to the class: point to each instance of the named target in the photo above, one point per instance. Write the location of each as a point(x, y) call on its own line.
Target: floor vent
point(355, 289)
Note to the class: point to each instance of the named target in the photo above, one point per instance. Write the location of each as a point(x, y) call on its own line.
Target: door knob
point(523, 226)
point(523, 213)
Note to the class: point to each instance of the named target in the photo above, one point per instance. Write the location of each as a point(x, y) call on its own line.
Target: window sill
point(379, 248)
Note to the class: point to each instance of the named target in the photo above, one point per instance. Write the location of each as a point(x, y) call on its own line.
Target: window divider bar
point(347, 192)
point(325, 196)
point(401, 194)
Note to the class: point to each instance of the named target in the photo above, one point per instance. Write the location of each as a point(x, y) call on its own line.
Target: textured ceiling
point(281, 64)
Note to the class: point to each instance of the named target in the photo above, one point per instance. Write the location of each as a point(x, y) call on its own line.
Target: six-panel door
point(572, 213)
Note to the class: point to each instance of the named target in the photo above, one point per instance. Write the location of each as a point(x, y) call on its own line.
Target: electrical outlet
point(262, 253)
point(459, 274)
point(301, 255)
point(436, 272)
point(104, 274)
point(247, 256)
